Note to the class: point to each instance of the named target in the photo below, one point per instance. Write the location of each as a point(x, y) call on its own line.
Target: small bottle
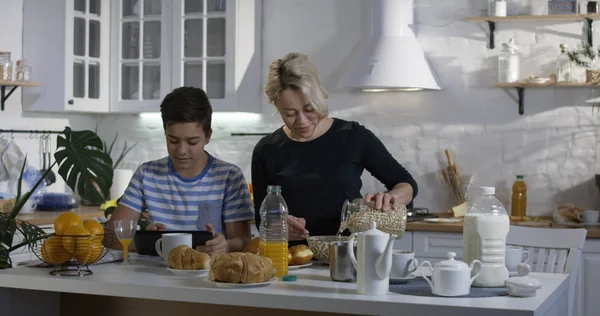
point(23, 71)
point(5, 67)
point(519, 197)
point(274, 229)
point(563, 65)
point(508, 63)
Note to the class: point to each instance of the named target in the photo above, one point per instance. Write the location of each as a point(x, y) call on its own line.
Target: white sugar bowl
point(522, 285)
point(450, 277)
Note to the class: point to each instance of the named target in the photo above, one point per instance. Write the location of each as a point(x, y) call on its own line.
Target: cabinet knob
point(71, 102)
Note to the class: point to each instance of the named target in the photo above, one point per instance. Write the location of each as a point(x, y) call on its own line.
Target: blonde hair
point(295, 71)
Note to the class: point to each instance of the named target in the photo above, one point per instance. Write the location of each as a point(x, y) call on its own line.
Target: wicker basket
point(7, 205)
point(358, 216)
point(72, 254)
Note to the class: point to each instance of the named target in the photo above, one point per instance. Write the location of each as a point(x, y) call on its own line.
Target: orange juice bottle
point(519, 197)
point(274, 229)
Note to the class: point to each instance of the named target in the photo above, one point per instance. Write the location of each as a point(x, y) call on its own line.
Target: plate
point(300, 266)
point(512, 273)
point(402, 280)
point(591, 224)
point(189, 273)
point(238, 285)
point(442, 220)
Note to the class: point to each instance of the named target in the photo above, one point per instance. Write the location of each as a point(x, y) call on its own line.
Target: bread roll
point(289, 258)
point(240, 267)
point(301, 254)
point(253, 246)
point(185, 258)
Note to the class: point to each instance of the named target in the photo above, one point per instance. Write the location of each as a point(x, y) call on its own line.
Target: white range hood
point(389, 58)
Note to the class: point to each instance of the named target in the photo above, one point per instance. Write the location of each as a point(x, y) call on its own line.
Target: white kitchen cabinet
point(66, 42)
point(434, 246)
point(160, 45)
point(588, 285)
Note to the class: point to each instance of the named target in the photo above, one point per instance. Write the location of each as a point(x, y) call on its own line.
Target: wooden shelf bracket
point(492, 26)
point(4, 96)
point(590, 31)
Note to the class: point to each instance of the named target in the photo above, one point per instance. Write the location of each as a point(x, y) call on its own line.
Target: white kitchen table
point(113, 290)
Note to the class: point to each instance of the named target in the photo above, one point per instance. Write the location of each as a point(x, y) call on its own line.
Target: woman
point(318, 160)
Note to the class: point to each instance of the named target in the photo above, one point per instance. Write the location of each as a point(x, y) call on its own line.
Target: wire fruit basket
point(71, 255)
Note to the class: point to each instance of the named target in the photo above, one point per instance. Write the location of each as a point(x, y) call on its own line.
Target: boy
point(190, 189)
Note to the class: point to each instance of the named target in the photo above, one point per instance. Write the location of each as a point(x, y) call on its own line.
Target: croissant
point(240, 267)
point(185, 258)
point(253, 246)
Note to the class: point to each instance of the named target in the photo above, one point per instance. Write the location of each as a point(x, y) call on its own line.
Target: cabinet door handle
point(71, 102)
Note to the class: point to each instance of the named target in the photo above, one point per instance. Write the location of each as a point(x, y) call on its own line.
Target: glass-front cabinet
point(159, 45)
point(70, 60)
point(125, 56)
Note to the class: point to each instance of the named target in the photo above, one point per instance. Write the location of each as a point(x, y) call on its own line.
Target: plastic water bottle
point(274, 229)
point(485, 228)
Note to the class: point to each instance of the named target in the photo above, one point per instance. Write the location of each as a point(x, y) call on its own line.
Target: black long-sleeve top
point(317, 176)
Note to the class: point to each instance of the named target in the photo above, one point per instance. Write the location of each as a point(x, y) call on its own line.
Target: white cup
point(589, 217)
point(403, 263)
point(514, 256)
point(168, 241)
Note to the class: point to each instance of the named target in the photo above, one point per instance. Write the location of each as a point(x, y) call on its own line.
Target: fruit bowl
point(70, 255)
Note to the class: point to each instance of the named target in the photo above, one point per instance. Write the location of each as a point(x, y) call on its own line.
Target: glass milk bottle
point(486, 225)
point(563, 65)
point(508, 63)
point(274, 229)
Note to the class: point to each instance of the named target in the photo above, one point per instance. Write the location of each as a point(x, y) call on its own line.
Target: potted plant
point(86, 169)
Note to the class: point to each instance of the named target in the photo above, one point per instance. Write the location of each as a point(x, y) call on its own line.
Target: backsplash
point(554, 144)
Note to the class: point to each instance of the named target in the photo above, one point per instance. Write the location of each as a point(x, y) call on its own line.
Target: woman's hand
point(297, 228)
point(218, 243)
point(156, 226)
point(383, 201)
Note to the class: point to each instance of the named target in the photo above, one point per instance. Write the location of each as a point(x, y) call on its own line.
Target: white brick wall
point(554, 144)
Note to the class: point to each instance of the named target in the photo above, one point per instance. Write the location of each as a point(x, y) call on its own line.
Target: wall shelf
point(521, 86)
point(492, 20)
point(12, 85)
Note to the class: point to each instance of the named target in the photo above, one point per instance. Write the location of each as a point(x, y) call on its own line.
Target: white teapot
point(450, 277)
point(374, 249)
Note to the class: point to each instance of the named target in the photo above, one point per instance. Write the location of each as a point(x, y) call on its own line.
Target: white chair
point(551, 250)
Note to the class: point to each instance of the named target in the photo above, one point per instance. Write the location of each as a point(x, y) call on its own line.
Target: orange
point(91, 256)
point(95, 228)
point(65, 221)
point(77, 240)
point(54, 252)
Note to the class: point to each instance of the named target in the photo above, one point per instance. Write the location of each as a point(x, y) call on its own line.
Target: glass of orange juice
point(125, 230)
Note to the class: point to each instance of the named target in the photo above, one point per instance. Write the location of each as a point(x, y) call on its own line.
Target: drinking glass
point(125, 230)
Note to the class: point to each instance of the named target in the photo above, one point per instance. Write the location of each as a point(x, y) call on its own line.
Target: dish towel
point(12, 159)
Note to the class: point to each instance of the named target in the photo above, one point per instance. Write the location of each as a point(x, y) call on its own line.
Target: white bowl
point(538, 80)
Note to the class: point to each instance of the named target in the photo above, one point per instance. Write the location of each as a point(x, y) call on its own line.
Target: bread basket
point(358, 215)
point(320, 246)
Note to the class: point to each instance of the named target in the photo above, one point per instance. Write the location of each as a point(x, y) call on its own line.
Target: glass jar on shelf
point(23, 71)
point(5, 66)
point(563, 65)
point(508, 63)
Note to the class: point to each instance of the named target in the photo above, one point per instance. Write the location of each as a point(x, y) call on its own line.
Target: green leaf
point(84, 165)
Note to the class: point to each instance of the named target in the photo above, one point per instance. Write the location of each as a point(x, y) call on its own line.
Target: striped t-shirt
point(218, 195)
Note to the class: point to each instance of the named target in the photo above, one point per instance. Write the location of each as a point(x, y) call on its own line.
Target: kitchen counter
point(593, 232)
point(48, 217)
point(128, 290)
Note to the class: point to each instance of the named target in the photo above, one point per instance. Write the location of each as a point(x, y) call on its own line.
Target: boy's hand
point(156, 226)
point(218, 243)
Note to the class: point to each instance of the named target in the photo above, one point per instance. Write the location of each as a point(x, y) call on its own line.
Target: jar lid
point(523, 282)
point(451, 264)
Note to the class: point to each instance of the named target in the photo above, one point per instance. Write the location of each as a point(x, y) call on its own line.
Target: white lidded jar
point(508, 63)
point(486, 225)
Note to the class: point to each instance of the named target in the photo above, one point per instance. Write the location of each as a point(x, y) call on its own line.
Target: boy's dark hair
point(186, 104)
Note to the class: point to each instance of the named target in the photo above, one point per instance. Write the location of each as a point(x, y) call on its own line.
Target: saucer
point(512, 273)
point(402, 280)
point(591, 224)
